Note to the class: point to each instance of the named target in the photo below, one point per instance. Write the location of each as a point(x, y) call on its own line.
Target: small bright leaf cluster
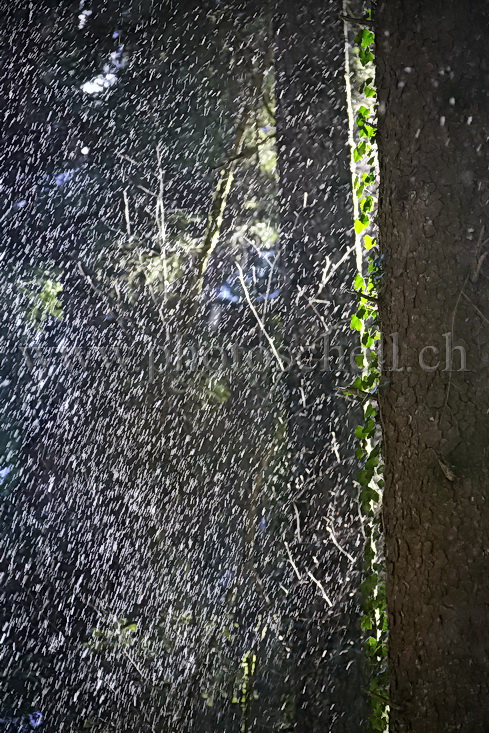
point(42, 293)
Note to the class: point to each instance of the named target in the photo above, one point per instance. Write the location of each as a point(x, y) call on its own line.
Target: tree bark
point(316, 238)
point(433, 66)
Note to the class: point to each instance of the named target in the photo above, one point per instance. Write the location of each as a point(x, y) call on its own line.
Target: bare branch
point(358, 21)
point(259, 321)
point(291, 560)
point(370, 298)
point(336, 544)
point(321, 588)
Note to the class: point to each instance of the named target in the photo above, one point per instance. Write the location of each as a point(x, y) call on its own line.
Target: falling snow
point(151, 535)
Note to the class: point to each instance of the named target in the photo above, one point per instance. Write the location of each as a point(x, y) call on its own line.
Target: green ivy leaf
point(359, 283)
point(366, 204)
point(355, 323)
point(368, 37)
point(369, 242)
point(366, 623)
point(364, 38)
point(365, 56)
point(361, 224)
point(359, 151)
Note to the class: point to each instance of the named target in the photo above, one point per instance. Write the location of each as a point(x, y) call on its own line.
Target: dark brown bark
point(316, 220)
point(433, 65)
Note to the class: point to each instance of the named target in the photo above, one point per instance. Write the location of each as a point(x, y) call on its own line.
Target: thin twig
point(245, 153)
point(336, 544)
point(126, 157)
point(291, 560)
point(480, 256)
point(384, 699)
point(146, 190)
point(297, 517)
point(327, 274)
point(364, 295)
point(473, 273)
point(269, 283)
point(89, 279)
point(126, 212)
point(268, 108)
point(259, 321)
point(310, 303)
point(360, 516)
point(452, 331)
point(321, 588)
point(358, 21)
point(484, 318)
point(356, 392)
point(131, 660)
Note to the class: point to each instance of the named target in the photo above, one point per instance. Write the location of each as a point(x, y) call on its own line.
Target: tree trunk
point(433, 67)
point(316, 238)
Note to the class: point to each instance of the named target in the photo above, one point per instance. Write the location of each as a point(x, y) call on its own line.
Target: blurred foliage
point(42, 296)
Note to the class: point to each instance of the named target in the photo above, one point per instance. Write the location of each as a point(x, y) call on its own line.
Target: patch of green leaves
point(42, 294)
point(365, 38)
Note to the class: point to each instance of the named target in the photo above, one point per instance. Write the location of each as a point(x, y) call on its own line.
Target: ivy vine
point(365, 321)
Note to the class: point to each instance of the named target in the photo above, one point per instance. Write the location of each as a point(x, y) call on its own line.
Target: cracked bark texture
point(433, 66)
point(316, 237)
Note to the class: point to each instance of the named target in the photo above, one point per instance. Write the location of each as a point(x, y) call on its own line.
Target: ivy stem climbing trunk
point(318, 261)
